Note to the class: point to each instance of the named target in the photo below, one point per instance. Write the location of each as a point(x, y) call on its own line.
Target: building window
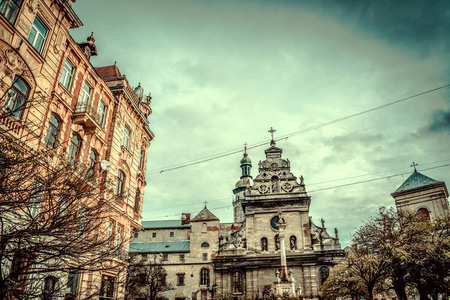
point(165, 256)
point(34, 204)
point(85, 98)
point(93, 159)
point(72, 284)
point(119, 230)
point(204, 228)
point(52, 131)
point(324, 273)
point(293, 242)
point(109, 232)
point(19, 269)
point(277, 242)
point(107, 289)
point(205, 245)
point(50, 291)
point(180, 279)
point(17, 96)
point(182, 257)
point(204, 276)
point(120, 183)
point(142, 159)
point(423, 213)
point(171, 234)
point(237, 286)
point(162, 279)
point(205, 256)
point(74, 149)
point(82, 222)
point(154, 234)
point(136, 234)
point(37, 35)
point(137, 199)
point(67, 75)
point(9, 9)
point(126, 137)
point(101, 113)
point(264, 244)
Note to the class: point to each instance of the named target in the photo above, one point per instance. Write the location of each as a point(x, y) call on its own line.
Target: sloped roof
point(416, 180)
point(160, 247)
point(108, 71)
point(164, 224)
point(205, 215)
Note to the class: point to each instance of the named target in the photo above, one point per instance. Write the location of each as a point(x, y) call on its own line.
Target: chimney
point(185, 218)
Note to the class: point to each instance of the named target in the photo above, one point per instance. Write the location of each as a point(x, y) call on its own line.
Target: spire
point(246, 164)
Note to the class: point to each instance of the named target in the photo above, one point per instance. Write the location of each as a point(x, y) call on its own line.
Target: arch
point(324, 272)
point(237, 286)
point(264, 244)
point(423, 213)
point(293, 242)
point(204, 227)
point(204, 276)
point(50, 288)
point(205, 245)
point(17, 98)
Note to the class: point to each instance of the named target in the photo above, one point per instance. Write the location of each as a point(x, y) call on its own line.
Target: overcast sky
point(221, 73)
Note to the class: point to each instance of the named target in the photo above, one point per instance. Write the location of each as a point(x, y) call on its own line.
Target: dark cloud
point(441, 121)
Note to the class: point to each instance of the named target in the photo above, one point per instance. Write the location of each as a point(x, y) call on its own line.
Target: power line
point(286, 136)
point(327, 188)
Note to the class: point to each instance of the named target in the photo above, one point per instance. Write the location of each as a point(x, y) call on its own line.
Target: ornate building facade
point(243, 258)
point(87, 114)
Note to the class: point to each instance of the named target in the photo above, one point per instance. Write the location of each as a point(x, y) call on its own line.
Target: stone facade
point(243, 257)
point(95, 105)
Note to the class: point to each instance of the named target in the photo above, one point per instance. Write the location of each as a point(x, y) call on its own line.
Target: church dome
point(246, 159)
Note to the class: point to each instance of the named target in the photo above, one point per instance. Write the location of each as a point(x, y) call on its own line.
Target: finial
point(139, 84)
point(272, 142)
point(245, 147)
point(115, 63)
point(414, 165)
point(205, 203)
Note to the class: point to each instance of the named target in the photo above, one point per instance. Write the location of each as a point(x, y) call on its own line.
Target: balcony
point(87, 117)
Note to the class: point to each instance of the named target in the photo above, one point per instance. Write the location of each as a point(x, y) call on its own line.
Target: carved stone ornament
point(32, 5)
point(287, 187)
point(274, 165)
point(263, 189)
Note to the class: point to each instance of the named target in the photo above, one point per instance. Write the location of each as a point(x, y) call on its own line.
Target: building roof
point(416, 180)
point(205, 215)
point(160, 224)
point(160, 247)
point(108, 71)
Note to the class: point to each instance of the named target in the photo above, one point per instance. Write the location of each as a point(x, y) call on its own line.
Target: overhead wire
point(286, 136)
point(325, 188)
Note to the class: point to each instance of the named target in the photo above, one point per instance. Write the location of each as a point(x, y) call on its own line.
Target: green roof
point(416, 180)
point(160, 247)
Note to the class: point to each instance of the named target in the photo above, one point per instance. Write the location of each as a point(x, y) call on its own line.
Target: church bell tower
point(240, 186)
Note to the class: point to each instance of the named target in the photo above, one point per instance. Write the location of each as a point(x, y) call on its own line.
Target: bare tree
point(146, 280)
point(52, 221)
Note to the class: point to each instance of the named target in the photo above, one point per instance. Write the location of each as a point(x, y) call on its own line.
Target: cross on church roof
point(205, 203)
point(245, 147)
point(271, 131)
point(414, 165)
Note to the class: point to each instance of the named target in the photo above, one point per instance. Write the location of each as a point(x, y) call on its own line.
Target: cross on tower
point(271, 132)
point(205, 203)
point(414, 165)
point(245, 146)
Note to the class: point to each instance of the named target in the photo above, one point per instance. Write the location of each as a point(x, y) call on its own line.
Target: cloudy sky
point(221, 73)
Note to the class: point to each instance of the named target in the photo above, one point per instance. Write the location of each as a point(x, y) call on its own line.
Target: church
point(272, 246)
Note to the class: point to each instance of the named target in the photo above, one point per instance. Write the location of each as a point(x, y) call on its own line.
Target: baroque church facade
point(203, 256)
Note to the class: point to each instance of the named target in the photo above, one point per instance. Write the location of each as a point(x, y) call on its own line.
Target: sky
point(222, 73)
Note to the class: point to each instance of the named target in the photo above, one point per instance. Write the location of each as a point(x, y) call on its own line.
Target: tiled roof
point(164, 224)
point(416, 180)
point(205, 215)
point(108, 71)
point(160, 247)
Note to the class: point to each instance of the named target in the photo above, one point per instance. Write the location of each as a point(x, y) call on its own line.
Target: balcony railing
point(86, 116)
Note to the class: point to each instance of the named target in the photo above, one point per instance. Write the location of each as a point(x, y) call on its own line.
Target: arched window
point(93, 159)
point(423, 213)
point(293, 242)
point(205, 245)
point(277, 242)
point(324, 273)
point(204, 276)
point(17, 95)
point(137, 199)
point(237, 286)
point(52, 131)
point(120, 186)
point(74, 149)
point(204, 228)
point(50, 288)
point(264, 244)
